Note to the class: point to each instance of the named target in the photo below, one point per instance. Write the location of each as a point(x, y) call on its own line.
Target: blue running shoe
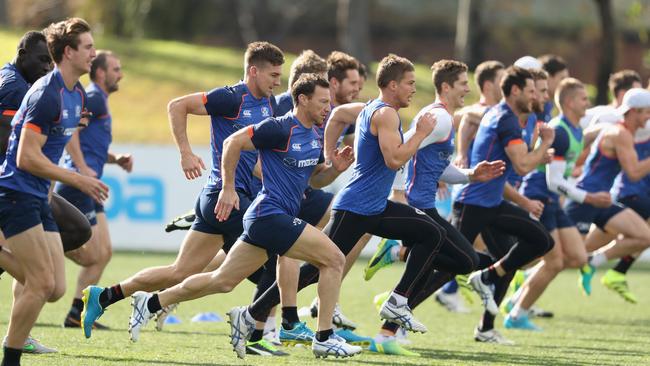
point(300, 334)
point(520, 322)
point(586, 274)
point(353, 338)
point(92, 309)
point(382, 258)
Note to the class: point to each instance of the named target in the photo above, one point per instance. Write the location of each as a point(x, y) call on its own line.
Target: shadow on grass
point(124, 360)
point(496, 357)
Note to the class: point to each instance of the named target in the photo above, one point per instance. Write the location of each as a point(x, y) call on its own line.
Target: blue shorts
point(206, 221)
point(314, 205)
point(274, 233)
point(83, 202)
point(584, 215)
point(640, 204)
point(21, 211)
point(553, 217)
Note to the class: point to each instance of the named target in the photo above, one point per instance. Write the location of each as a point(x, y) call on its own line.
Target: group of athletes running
point(531, 191)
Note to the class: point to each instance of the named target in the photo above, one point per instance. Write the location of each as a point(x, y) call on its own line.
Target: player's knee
point(57, 292)
point(178, 275)
point(576, 260)
point(43, 288)
point(554, 264)
point(336, 260)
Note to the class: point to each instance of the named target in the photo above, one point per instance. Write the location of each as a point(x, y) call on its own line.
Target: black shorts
point(584, 215)
point(274, 233)
point(639, 203)
point(21, 211)
point(206, 221)
point(553, 217)
point(314, 205)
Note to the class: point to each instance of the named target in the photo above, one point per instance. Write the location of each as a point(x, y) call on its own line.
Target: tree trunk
point(353, 28)
point(470, 38)
point(607, 50)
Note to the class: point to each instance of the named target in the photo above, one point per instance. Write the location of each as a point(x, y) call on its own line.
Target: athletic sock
point(257, 335)
point(394, 253)
point(487, 322)
point(489, 275)
point(289, 317)
point(111, 295)
point(390, 326)
point(598, 259)
point(76, 308)
point(153, 304)
point(517, 311)
point(624, 264)
point(269, 325)
point(450, 287)
point(11, 357)
point(323, 335)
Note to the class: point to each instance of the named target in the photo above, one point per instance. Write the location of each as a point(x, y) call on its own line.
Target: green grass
point(155, 72)
point(601, 330)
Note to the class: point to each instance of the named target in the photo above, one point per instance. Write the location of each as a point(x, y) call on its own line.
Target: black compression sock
point(111, 295)
point(153, 304)
point(11, 356)
point(489, 275)
point(323, 335)
point(624, 264)
point(76, 308)
point(257, 335)
point(289, 317)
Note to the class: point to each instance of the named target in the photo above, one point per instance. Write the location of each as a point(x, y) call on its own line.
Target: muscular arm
point(628, 158)
point(74, 149)
point(341, 117)
point(395, 152)
point(177, 111)
point(232, 148)
point(523, 161)
point(466, 133)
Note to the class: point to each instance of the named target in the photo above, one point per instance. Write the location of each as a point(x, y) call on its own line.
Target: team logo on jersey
point(77, 111)
point(419, 212)
point(265, 112)
point(296, 221)
point(247, 113)
point(64, 112)
point(295, 147)
point(315, 144)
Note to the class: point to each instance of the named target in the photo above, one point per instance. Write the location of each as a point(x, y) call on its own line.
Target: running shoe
point(464, 288)
point(263, 348)
point(352, 338)
point(391, 347)
point(518, 280)
point(491, 336)
point(33, 346)
point(242, 324)
point(382, 258)
point(521, 322)
point(401, 315)
point(299, 334)
point(616, 282)
point(183, 222)
point(140, 314)
point(507, 305)
point(334, 346)
point(162, 315)
point(72, 321)
point(338, 318)
point(485, 291)
point(451, 302)
point(380, 299)
point(92, 310)
point(586, 275)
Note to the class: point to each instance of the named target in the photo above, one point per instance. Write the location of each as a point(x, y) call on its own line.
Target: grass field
point(601, 330)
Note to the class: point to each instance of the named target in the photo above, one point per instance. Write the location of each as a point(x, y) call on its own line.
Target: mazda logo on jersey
point(290, 162)
point(62, 131)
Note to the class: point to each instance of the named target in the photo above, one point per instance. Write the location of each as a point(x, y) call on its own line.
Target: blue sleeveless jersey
point(51, 109)
point(425, 168)
point(600, 170)
point(367, 190)
point(624, 187)
point(527, 133)
point(230, 109)
point(288, 152)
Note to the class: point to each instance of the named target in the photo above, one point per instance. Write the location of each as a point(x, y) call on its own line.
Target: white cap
point(528, 62)
point(634, 98)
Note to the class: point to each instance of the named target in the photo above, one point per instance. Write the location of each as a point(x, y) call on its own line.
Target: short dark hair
point(623, 80)
point(446, 71)
point(363, 71)
point(307, 62)
point(99, 62)
point(515, 75)
point(392, 67)
point(487, 71)
point(30, 39)
point(552, 64)
point(538, 74)
point(257, 53)
point(63, 34)
point(338, 64)
point(306, 85)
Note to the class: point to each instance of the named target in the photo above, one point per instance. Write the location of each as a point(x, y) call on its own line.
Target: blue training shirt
point(623, 186)
point(288, 152)
point(13, 88)
point(498, 129)
point(367, 190)
point(96, 138)
point(51, 109)
point(232, 108)
point(284, 103)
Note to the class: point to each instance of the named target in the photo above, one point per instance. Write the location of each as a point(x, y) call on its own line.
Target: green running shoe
point(586, 275)
point(382, 258)
point(616, 282)
point(33, 346)
point(263, 348)
point(380, 299)
point(391, 347)
point(464, 288)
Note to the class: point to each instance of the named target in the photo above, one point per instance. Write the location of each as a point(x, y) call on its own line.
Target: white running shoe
point(242, 325)
point(452, 302)
point(338, 318)
point(402, 337)
point(401, 315)
point(492, 336)
point(162, 315)
point(334, 346)
point(140, 315)
point(273, 336)
point(484, 291)
point(33, 346)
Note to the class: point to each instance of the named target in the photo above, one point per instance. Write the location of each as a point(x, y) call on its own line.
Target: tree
point(470, 36)
point(353, 28)
point(607, 50)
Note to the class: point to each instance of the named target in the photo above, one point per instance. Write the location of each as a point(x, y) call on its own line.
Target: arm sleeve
point(221, 102)
point(399, 184)
point(509, 131)
point(455, 175)
point(41, 111)
point(558, 184)
point(269, 134)
point(440, 132)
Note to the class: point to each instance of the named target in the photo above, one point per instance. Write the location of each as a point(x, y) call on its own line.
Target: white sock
point(394, 253)
point(399, 299)
point(270, 324)
point(598, 259)
point(517, 311)
point(380, 338)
